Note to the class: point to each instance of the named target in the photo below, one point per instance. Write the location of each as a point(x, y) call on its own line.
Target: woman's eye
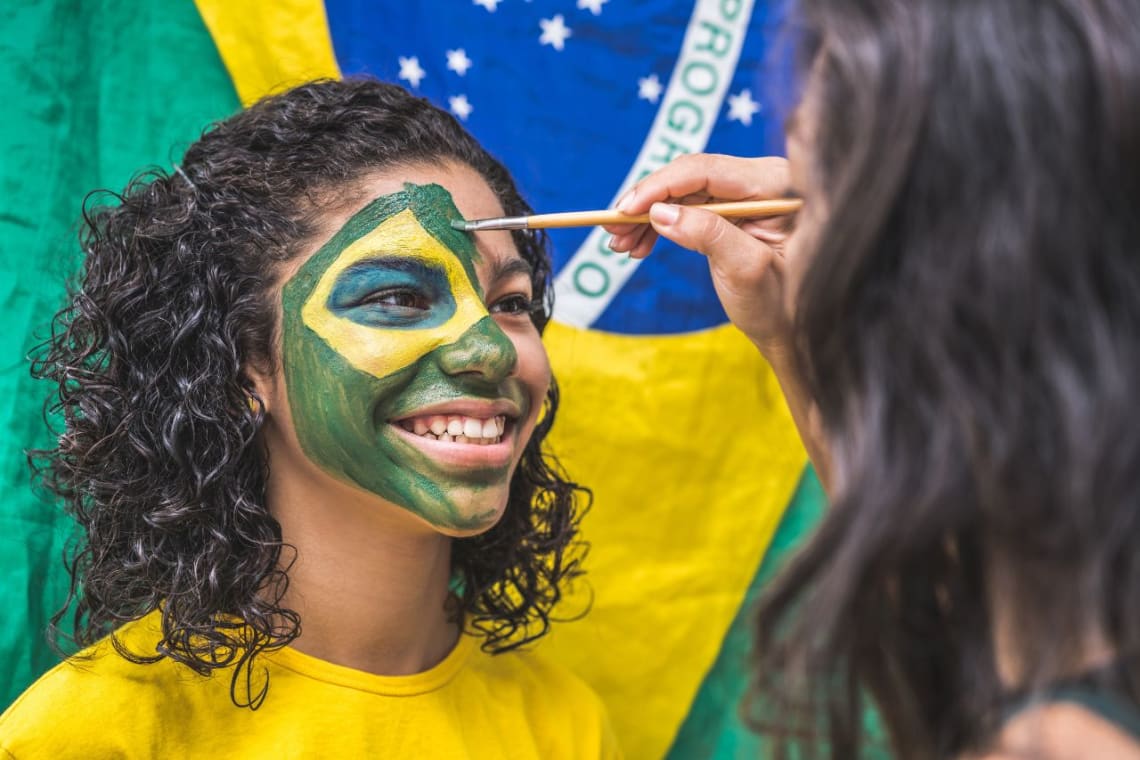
point(400, 299)
point(513, 304)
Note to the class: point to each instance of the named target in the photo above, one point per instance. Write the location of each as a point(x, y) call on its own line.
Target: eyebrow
point(394, 261)
point(502, 268)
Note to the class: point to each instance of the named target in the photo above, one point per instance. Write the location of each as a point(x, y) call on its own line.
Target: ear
point(262, 388)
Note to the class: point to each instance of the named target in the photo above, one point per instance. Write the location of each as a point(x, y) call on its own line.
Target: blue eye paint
point(360, 290)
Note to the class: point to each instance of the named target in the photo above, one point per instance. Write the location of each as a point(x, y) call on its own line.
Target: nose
point(484, 350)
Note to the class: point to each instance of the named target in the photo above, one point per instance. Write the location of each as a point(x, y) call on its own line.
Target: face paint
point(388, 318)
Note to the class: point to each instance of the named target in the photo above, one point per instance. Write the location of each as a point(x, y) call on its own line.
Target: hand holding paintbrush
point(756, 266)
point(692, 180)
point(748, 260)
point(753, 265)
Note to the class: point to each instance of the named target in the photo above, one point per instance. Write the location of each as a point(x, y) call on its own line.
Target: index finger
point(718, 176)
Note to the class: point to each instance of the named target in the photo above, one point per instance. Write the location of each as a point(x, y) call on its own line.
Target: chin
point(471, 526)
point(469, 518)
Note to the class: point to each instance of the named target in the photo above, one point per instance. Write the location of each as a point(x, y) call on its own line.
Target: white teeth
point(475, 431)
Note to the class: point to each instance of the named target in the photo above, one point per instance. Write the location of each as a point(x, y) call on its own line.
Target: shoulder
point(1062, 731)
point(65, 707)
point(536, 676)
point(73, 709)
point(553, 698)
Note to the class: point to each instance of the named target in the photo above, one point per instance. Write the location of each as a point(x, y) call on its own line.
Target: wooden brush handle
point(732, 210)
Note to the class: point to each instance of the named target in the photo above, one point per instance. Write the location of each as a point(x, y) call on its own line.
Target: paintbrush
point(734, 210)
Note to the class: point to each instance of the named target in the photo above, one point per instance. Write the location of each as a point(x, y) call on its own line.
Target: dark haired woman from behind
point(303, 440)
point(955, 319)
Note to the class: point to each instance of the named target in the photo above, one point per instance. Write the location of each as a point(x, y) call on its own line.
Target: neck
point(370, 581)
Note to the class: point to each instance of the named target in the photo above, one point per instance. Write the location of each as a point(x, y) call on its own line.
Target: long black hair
point(970, 329)
point(159, 458)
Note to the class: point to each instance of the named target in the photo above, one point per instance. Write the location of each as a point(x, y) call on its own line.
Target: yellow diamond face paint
point(406, 248)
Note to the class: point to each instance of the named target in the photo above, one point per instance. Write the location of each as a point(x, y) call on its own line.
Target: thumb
point(727, 246)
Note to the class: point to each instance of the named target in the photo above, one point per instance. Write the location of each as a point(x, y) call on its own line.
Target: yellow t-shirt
point(471, 705)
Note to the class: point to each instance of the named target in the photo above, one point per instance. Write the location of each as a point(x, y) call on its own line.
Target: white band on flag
point(688, 113)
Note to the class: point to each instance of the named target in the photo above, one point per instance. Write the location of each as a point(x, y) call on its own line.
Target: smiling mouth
point(457, 428)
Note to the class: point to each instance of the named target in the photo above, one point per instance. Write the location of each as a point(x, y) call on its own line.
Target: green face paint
point(377, 325)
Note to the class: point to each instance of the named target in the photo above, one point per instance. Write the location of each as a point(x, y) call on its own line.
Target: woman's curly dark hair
point(160, 460)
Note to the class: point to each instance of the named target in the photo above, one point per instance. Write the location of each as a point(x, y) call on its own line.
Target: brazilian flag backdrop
point(669, 415)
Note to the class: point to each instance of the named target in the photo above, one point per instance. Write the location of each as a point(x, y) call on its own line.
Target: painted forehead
point(433, 209)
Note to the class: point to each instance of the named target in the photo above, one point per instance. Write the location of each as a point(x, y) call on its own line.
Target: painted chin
point(462, 458)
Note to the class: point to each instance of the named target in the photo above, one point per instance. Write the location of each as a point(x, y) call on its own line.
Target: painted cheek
point(339, 416)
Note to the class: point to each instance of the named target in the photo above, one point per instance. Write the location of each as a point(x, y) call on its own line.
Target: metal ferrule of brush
point(502, 223)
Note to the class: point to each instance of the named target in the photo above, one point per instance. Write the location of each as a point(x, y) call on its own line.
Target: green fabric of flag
point(713, 729)
point(93, 92)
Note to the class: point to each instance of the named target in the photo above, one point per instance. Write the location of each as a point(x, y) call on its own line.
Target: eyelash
point(516, 303)
point(524, 305)
point(419, 301)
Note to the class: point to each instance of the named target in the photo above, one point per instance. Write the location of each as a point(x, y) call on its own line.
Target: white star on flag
point(460, 107)
point(649, 88)
point(458, 61)
point(554, 32)
point(593, 6)
point(411, 70)
point(490, 5)
point(741, 107)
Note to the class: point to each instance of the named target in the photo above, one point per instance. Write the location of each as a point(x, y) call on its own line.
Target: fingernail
point(610, 242)
point(626, 200)
point(664, 214)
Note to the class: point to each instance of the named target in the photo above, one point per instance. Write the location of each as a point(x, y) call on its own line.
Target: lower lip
point(465, 456)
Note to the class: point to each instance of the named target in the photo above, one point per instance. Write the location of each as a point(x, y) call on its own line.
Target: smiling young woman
point(303, 429)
